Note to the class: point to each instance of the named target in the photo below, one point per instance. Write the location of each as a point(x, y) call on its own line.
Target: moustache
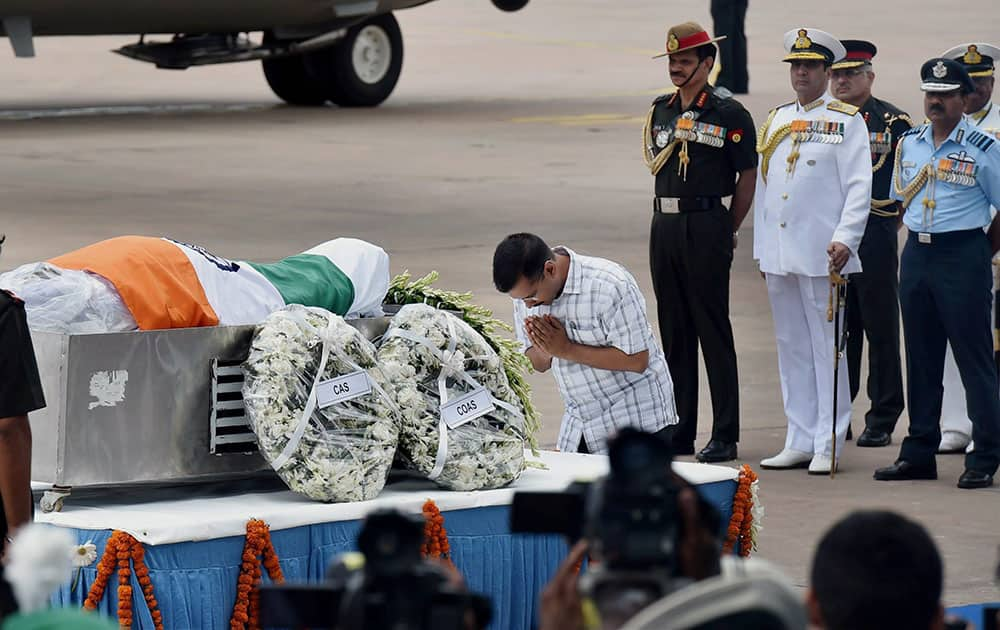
point(936, 108)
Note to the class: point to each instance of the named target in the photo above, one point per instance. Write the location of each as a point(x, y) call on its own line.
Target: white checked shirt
point(601, 305)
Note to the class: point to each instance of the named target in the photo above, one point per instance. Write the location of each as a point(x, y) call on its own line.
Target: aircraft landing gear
point(290, 81)
point(360, 70)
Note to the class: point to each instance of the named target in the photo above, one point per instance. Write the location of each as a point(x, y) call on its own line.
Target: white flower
point(84, 555)
point(757, 512)
point(487, 452)
point(346, 449)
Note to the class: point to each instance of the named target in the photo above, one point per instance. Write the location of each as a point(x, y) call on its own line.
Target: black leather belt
point(675, 205)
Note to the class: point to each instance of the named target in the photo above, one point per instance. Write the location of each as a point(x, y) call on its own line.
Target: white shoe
point(953, 442)
point(788, 458)
point(970, 447)
point(820, 465)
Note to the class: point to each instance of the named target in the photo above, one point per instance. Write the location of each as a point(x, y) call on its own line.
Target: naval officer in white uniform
point(811, 206)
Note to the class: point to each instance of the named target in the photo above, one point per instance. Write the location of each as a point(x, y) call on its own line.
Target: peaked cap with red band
point(859, 53)
point(685, 37)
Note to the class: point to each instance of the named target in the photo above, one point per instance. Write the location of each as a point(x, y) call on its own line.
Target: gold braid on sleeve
point(654, 161)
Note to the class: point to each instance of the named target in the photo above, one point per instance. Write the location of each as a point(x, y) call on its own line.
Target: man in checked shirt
point(585, 318)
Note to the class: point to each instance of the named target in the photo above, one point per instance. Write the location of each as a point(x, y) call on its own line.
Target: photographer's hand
point(561, 606)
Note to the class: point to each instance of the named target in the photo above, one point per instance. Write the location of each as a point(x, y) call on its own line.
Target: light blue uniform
point(945, 286)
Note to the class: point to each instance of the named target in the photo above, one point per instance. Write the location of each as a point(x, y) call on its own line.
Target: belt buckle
point(924, 237)
point(669, 205)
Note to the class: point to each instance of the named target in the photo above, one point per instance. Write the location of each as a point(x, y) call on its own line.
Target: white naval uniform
point(954, 415)
point(826, 198)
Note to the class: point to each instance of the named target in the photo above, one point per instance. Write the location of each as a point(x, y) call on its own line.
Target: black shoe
point(850, 433)
point(684, 449)
point(717, 451)
point(972, 479)
point(903, 470)
point(874, 438)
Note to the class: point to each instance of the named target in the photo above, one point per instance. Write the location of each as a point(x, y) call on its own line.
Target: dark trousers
point(945, 291)
point(690, 255)
point(873, 313)
point(728, 18)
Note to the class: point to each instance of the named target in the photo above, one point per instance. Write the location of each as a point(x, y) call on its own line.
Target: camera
point(630, 519)
point(386, 585)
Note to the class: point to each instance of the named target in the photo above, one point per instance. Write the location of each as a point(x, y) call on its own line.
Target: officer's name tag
point(466, 408)
point(342, 388)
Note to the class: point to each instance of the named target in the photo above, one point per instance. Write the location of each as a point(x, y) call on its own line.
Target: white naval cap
point(978, 58)
point(811, 43)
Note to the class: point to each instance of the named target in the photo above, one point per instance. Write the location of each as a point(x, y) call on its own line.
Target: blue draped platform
point(975, 614)
point(195, 580)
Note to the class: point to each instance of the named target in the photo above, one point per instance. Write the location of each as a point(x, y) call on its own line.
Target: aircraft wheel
point(290, 80)
point(362, 69)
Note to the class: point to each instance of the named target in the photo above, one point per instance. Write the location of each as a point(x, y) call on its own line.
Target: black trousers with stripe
point(729, 18)
point(690, 256)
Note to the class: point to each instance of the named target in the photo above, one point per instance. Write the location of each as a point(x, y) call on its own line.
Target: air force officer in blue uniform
point(947, 174)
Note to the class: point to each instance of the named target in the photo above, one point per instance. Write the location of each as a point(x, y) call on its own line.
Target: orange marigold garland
point(435, 535)
point(105, 567)
point(246, 610)
point(121, 550)
point(741, 524)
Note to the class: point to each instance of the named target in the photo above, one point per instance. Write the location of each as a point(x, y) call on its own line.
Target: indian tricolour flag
point(169, 284)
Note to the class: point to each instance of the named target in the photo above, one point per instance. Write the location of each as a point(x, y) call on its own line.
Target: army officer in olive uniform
point(872, 296)
point(700, 148)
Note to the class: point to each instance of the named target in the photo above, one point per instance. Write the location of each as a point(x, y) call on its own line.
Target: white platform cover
point(200, 517)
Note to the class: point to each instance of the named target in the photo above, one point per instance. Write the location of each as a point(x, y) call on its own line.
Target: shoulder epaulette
point(980, 140)
point(782, 105)
point(842, 107)
point(723, 95)
point(911, 131)
point(663, 97)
